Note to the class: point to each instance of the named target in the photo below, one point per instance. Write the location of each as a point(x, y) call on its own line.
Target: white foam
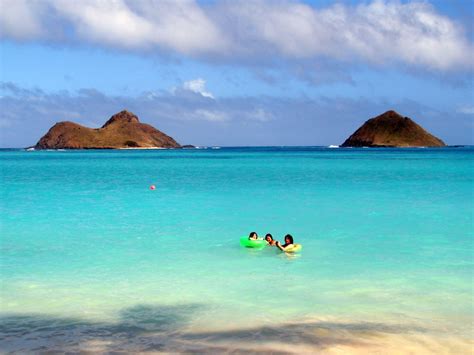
point(141, 148)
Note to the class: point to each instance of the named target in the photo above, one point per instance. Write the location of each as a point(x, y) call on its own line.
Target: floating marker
point(152, 187)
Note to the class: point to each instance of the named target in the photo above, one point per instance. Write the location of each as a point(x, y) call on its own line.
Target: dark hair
point(269, 235)
point(290, 238)
point(252, 233)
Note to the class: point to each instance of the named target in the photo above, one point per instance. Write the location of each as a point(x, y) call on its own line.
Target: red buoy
point(152, 187)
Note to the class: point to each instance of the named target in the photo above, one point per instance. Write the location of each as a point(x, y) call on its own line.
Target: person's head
point(288, 239)
point(253, 235)
point(269, 238)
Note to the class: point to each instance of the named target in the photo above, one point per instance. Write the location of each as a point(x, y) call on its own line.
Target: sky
point(237, 73)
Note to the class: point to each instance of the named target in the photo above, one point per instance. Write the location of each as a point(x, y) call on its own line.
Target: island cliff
point(392, 130)
point(122, 130)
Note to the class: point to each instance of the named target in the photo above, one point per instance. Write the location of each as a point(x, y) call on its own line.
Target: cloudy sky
point(247, 72)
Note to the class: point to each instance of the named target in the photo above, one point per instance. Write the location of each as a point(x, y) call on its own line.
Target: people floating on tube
point(253, 241)
point(253, 236)
point(289, 243)
point(270, 240)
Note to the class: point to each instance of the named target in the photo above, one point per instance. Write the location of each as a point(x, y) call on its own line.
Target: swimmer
point(270, 240)
point(253, 236)
point(288, 242)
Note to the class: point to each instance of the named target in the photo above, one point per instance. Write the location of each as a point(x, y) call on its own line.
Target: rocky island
point(122, 130)
point(390, 129)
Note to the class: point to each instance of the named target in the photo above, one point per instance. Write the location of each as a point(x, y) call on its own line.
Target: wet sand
point(162, 333)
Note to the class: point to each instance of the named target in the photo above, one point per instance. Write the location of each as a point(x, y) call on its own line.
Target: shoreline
point(328, 335)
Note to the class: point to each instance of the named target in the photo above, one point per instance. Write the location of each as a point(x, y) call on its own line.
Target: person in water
point(288, 242)
point(270, 240)
point(253, 236)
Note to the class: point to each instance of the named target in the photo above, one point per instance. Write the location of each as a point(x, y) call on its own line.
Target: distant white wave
point(333, 146)
point(141, 148)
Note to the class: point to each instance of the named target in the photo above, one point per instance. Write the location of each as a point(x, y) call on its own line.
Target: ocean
point(93, 260)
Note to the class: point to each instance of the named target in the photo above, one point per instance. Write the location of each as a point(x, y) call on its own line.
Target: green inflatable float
point(253, 243)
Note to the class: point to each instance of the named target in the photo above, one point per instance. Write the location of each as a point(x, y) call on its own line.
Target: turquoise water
point(87, 246)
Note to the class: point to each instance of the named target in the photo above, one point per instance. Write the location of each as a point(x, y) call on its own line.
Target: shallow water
point(91, 259)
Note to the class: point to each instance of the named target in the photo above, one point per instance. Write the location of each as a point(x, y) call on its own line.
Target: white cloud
point(260, 114)
point(467, 110)
point(209, 115)
point(379, 33)
point(178, 25)
point(106, 22)
point(198, 86)
point(21, 19)
point(4, 123)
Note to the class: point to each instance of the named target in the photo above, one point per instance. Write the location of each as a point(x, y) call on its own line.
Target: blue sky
point(236, 72)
